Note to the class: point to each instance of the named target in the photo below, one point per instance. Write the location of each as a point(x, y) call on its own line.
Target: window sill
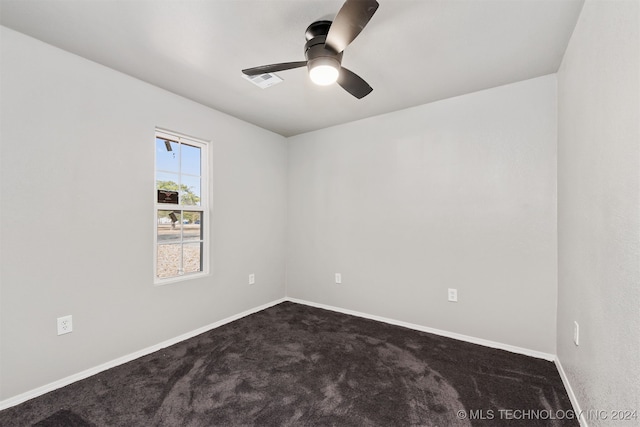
point(168, 281)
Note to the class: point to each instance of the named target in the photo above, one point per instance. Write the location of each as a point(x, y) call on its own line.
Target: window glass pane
point(192, 225)
point(190, 191)
point(191, 256)
point(167, 155)
point(167, 181)
point(169, 226)
point(190, 159)
point(169, 261)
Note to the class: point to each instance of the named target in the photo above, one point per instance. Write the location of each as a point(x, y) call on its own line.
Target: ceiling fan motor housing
point(315, 51)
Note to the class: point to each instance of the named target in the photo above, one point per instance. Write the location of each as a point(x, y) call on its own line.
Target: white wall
point(460, 193)
point(77, 215)
point(599, 207)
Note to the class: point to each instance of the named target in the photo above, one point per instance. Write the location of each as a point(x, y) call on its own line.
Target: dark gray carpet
point(294, 365)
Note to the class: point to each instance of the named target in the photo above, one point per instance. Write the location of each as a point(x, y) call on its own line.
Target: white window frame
point(203, 207)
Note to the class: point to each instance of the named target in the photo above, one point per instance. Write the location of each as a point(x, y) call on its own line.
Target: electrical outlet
point(252, 279)
point(453, 295)
point(338, 278)
point(576, 333)
point(65, 325)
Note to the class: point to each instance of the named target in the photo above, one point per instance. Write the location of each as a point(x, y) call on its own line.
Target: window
point(181, 210)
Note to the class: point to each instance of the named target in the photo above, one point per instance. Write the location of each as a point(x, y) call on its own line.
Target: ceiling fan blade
point(353, 83)
point(273, 68)
point(349, 22)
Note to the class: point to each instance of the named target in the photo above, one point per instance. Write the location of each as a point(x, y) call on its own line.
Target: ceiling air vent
point(263, 80)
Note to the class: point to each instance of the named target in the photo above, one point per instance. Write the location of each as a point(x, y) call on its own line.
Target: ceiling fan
point(326, 42)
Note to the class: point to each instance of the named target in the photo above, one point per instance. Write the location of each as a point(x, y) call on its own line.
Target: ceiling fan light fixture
point(324, 71)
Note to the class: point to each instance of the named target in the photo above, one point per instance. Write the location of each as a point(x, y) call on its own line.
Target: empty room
point(320, 213)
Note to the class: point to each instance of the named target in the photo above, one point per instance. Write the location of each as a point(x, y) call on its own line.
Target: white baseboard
point(572, 396)
point(461, 337)
point(23, 397)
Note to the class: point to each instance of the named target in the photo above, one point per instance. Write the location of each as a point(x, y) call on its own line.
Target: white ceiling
point(411, 53)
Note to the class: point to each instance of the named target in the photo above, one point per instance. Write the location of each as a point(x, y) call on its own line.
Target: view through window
point(180, 206)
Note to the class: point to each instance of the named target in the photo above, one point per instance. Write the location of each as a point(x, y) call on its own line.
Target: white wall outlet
point(452, 295)
point(338, 278)
point(252, 279)
point(576, 333)
point(65, 325)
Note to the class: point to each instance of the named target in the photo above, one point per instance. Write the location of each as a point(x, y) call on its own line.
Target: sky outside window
point(181, 165)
